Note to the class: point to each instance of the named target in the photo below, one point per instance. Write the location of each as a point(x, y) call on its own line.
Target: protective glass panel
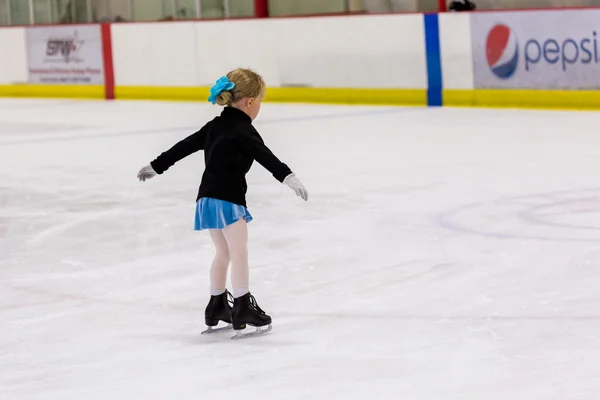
point(4, 13)
point(186, 9)
point(241, 8)
point(111, 10)
point(42, 11)
point(389, 6)
point(213, 8)
point(504, 4)
point(153, 10)
point(79, 11)
point(304, 7)
point(19, 12)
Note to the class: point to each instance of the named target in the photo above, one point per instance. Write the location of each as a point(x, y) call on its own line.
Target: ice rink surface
point(443, 254)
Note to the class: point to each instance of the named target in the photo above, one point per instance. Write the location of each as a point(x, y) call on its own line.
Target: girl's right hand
point(297, 186)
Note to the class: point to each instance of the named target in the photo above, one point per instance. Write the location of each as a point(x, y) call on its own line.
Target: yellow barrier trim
point(53, 91)
point(161, 93)
point(277, 94)
point(518, 98)
point(417, 97)
point(493, 98)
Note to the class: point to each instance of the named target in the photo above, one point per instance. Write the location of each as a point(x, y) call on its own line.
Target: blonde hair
point(247, 84)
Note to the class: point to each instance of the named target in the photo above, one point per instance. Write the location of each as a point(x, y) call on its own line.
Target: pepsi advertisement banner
point(537, 49)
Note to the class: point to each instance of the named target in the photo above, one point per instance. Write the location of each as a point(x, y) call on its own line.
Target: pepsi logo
point(502, 51)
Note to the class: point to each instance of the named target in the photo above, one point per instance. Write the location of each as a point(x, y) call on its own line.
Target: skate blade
point(211, 330)
point(258, 332)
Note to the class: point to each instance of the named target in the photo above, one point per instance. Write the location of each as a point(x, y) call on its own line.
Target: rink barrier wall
point(304, 60)
point(310, 60)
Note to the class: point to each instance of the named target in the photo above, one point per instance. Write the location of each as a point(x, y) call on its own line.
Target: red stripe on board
point(109, 72)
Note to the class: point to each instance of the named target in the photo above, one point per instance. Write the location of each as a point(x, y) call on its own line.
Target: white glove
point(297, 186)
point(146, 173)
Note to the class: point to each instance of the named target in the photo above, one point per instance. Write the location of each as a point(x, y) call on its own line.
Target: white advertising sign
point(556, 49)
point(65, 55)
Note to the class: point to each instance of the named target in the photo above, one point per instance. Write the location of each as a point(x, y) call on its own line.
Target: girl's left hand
point(146, 173)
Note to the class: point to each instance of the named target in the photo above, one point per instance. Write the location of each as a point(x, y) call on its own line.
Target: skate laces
point(255, 306)
point(229, 299)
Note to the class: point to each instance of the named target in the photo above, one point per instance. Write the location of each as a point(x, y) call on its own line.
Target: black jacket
point(230, 145)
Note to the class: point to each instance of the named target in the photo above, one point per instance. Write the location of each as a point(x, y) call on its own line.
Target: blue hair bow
point(221, 84)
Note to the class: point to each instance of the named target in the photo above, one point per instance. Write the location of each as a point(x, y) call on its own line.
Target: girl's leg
point(236, 236)
point(218, 270)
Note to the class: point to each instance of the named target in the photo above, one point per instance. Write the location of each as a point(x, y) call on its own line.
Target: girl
point(230, 145)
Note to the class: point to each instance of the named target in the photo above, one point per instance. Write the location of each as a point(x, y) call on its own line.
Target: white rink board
point(361, 51)
point(364, 52)
point(155, 54)
point(13, 66)
point(456, 50)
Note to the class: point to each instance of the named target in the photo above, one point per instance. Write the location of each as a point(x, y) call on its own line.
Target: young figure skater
point(230, 145)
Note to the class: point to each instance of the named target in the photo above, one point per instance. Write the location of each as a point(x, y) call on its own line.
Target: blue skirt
point(217, 214)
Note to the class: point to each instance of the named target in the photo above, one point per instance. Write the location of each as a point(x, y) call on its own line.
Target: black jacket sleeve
point(184, 148)
point(251, 143)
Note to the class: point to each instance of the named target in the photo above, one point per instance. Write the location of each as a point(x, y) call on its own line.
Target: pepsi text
point(567, 52)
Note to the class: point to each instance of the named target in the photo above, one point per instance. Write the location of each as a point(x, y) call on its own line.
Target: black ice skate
point(218, 309)
point(247, 312)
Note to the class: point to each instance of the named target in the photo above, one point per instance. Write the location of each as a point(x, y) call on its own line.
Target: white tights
point(231, 244)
